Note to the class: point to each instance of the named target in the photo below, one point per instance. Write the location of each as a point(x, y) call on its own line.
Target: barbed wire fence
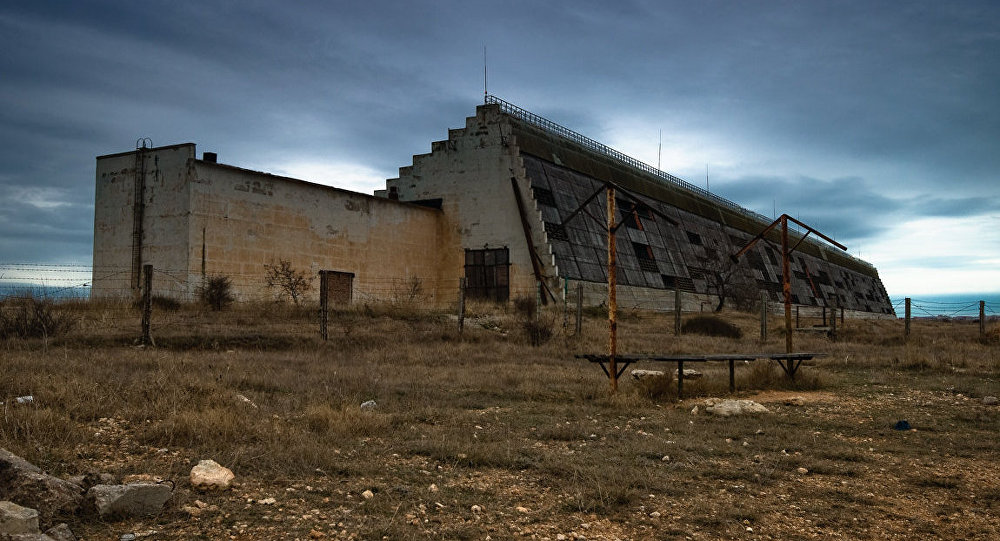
point(127, 307)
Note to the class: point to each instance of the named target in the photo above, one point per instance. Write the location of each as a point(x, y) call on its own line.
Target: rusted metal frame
point(635, 198)
point(535, 260)
point(820, 235)
point(612, 293)
point(799, 242)
point(583, 206)
point(786, 283)
point(812, 285)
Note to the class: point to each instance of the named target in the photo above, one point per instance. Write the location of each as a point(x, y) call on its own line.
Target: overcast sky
point(878, 123)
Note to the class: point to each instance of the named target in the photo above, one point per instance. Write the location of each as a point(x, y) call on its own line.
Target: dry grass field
point(483, 436)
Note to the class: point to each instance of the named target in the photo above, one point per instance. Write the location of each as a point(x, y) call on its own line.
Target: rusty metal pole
point(579, 309)
point(763, 316)
point(786, 283)
point(612, 294)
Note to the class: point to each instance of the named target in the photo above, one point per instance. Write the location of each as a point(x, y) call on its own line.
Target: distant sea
point(16, 289)
point(957, 305)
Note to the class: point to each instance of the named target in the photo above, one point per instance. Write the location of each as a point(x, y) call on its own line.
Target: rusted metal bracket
point(535, 260)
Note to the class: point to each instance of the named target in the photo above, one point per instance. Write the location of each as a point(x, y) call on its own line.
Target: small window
point(555, 231)
point(694, 238)
point(544, 197)
point(645, 256)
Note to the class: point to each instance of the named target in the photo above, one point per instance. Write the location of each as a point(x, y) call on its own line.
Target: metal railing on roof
point(556, 129)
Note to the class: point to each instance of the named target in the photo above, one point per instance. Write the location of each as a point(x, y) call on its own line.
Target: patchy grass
point(528, 434)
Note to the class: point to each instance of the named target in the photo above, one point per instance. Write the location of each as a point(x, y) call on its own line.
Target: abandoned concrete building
point(506, 202)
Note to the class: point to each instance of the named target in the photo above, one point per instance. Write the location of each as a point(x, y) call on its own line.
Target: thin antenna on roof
point(659, 150)
point(485, 91)
point(706, 179)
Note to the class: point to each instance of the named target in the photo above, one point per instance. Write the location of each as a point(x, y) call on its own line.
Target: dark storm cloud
point(879, 104)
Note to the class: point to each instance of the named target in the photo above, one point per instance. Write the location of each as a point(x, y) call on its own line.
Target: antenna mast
point(659, 151)
point(485, 91)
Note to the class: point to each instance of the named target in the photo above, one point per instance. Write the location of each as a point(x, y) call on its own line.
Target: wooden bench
point(789, 362)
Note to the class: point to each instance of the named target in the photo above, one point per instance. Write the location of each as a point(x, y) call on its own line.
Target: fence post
point(833, 320)
point(461, 305)
point(677, 311)
point(796, 317)
point(982, 320)
point(841, 316)
point(579, 308)
point(147, 304)
point(538, 299)
point(763, 317)
point(324, 306)
point(906, 332)
point(565, 304)
point(824, 316)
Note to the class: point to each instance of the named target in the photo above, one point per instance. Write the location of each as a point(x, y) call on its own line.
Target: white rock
point(990, 400)
point(641, 374)
point(367, 494)
point(477, 509)
point(267, 501)
point(15, 519)
point(368, 405)
point(729, 407)
point(801, 470)
point(22, 400)
point(209, 475)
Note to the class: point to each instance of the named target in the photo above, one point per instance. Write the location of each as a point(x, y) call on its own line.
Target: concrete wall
point(165, 220)
point(471, 173)
point(204, 218)
point(246, 220)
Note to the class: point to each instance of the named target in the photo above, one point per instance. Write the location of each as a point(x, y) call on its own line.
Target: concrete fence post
point(677, 311)
point(579, 309)
point(147, 304)
point(763, 317)
point(906, 324)
point(982, 320)
point(324, 305)
point(461, 305)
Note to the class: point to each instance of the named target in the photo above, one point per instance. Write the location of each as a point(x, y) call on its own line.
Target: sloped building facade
point(506, 202)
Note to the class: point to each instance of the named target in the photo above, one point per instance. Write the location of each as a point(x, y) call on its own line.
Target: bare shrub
point(538, 331)
point(287, 279)
point(711, 326)
point(524, 306)
point(216, 291)
point(29, 317)
point(659, 387)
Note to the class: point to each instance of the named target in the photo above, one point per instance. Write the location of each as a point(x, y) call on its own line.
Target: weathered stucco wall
point(471, 173)
point(202, 218)
point(164, 224)
point(243, 220)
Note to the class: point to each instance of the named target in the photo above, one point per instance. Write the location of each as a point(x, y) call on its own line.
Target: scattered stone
point(61, 532)
point(267, 501)
point(131, 500)
point(367, 494)
point(433, 488)
point(802, 470)
point(209, 475)
point(655, 514)
point(369, 405)
point(694, 410)
point(24, 484)
point(795, 401)
point(246, 401)
point(316, 534)
point(730, 407)
point(641, 374)
point(666, 458)
point(560, 537)
point(15, 519)
point(991, 400)
point(690, 373)
point(476, 509)
point(24, 400)
point(521, 509)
